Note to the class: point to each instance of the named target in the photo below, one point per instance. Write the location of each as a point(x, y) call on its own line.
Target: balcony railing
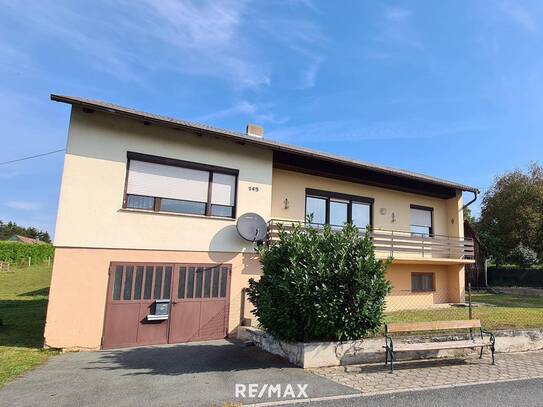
point(399, 243)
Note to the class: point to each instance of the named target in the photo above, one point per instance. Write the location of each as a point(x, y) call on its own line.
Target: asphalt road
point(525, 393)
point(194, 374)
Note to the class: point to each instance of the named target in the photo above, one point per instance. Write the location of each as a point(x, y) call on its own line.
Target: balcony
point(402, 246)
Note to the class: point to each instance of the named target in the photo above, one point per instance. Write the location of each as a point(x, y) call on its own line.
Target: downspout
point(473, 200)
point(463, 208)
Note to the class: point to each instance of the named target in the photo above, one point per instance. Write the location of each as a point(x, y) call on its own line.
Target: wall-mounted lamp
point(287, 203)
point(393, 217)
point(452, 221)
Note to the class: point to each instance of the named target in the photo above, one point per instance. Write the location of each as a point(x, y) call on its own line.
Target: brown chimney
point(255, 131)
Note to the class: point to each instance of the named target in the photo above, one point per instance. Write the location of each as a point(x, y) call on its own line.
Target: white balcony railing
point(399, 243)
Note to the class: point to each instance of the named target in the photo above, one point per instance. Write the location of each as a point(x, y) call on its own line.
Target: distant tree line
point(511, 220)
point(11, 228)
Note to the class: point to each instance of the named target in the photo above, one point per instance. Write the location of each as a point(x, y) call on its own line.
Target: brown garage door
point(199, 299)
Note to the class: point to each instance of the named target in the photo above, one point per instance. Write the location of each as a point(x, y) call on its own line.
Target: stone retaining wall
point(321, 354)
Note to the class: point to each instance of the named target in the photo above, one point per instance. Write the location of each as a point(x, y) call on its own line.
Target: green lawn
point(23, 303)
point(505, 312)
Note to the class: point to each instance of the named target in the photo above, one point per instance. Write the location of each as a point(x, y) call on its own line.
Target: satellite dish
point(252, 227)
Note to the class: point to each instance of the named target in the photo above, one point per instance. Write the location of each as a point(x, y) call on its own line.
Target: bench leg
point(481, 355)
point(391, 362)
point(492, 349)
point(386, 357)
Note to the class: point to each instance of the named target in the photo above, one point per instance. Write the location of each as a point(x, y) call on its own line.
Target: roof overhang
point(292, 157)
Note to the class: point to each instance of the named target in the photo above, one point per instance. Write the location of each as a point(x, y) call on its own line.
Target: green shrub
point(320, 285)
point(18, 253)
point(523, 256)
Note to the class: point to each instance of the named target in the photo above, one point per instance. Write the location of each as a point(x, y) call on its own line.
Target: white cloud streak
point(519, 15)
point(23, 205)
point(356, 131)
point(201, 38)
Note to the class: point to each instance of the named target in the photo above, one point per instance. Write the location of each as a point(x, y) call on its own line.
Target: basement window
point(422, 282)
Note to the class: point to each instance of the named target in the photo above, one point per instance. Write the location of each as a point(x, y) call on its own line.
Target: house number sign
point(253, 189)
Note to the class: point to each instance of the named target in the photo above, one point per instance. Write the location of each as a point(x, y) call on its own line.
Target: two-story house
point(147, 250)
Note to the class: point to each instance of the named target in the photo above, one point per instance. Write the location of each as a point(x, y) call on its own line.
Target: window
point(422, 282)
point(316, 210)
point(338, 212)
point(337, 209)
point(166, 185)
point(421, 221)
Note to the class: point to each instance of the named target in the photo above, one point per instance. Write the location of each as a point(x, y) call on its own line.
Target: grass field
point(505, 312)
point(23, 303)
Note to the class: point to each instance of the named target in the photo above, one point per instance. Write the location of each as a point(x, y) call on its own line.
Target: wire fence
point(495, 310)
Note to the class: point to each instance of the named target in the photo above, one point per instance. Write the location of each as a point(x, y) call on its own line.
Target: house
point(147, 249)
point(24, 239)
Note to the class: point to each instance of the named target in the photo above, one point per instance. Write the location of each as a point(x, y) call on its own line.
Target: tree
point(469, 216)
point(11, 228)
point(512, 213)
point(523, 256)
point(320, 284)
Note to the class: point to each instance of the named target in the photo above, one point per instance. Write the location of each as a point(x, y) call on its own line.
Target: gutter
point(473, 200)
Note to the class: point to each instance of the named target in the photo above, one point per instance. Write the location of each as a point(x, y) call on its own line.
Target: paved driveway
point(196, 374)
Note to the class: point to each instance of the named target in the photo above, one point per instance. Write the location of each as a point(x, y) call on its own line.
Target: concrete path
point(196, 374)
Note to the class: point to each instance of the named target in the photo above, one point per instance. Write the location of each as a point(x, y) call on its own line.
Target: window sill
point(183, 215)
point(423, 291)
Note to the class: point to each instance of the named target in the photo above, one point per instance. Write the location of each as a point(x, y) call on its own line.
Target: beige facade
point(94, 229)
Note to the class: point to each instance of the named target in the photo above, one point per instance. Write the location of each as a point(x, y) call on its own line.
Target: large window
point(422, 282)
point(166, 185)
point(337, 209)
point(421, 221)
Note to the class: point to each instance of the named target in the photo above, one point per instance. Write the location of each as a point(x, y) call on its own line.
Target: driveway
point(195, 374)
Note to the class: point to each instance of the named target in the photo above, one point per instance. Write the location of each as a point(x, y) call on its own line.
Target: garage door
point(197, 297)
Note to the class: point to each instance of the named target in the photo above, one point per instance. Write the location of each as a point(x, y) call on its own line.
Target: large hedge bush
point(320, 284)
point(18, 253)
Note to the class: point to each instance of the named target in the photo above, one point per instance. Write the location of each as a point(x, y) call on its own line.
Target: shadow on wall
point(171, 360)
point(227, 236)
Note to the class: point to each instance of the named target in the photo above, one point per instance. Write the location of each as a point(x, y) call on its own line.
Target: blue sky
point(453, 89)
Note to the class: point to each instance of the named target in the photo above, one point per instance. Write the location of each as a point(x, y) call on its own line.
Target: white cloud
point(519, 15)
point(204, 38)
point(395, 28)
point(355, 130)
point(309, 76)
point(397, 14)
point(244, 108)
point(23, 205)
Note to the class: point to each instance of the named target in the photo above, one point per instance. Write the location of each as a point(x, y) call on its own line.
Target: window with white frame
point(165, 185)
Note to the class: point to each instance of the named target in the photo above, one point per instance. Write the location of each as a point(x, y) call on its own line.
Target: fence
point(515, 277)
point(496, 311)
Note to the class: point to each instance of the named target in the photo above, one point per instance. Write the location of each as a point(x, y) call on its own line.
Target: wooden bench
point(481, 341)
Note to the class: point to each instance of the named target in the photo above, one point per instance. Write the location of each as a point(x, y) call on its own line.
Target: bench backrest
point(432, 326)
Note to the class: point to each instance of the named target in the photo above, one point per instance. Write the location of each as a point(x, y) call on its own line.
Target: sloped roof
point(25, 239)
point(262, 142)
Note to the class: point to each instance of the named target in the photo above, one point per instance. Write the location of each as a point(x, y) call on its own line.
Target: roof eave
point(259, 142)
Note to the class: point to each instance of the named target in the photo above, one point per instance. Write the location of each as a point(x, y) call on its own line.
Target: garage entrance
point(149, 304)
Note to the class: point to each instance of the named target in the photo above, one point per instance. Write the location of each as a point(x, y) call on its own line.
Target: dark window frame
point(211, 169)
point(331, 196)
point(423, 208)
point(420, 274)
